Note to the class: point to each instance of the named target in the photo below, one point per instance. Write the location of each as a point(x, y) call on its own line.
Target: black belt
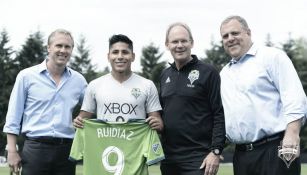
point(253, 145)
point(50, 140)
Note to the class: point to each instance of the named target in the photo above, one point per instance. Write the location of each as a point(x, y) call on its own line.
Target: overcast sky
point(146, 21)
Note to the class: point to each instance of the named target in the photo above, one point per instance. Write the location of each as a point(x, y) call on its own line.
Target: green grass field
point(225, 169)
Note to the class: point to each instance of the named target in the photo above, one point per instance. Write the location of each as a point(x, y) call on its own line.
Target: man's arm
point(78, 121)
point(292, 134)
point(155, 121)
point(210, 164)
point(218, 130)
point(14, 160)
point(287, 83)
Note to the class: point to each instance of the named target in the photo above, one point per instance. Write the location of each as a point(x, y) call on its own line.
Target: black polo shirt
point(192, 111)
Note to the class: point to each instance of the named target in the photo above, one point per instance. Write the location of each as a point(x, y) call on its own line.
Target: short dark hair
point(120, 38)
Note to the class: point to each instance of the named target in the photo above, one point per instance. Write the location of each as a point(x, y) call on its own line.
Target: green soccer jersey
point(116, 148)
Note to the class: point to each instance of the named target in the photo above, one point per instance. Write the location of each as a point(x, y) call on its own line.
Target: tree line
point(34, 51)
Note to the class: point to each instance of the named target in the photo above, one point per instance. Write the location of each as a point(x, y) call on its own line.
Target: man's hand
point(14, 161)
point(211, 164)
point(155, 122)
point(13, 158)
point(78, 122)
point(292, 138)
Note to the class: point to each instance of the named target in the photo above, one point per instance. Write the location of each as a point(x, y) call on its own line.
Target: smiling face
point(179, 43)
point(60, 49)
point(236, 38)
point(120, 57)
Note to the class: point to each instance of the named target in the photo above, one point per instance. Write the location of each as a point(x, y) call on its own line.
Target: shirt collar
point(190, 63)
point(43, 67)
point(251, 52)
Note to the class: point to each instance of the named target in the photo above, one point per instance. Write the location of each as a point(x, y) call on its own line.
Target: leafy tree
point(301, 68)
point(33, 51)
point(81, 61)
point(7, 77)
point(151, 67)
point(216, 56)
point(301, 60)
point(301, 48)
point(105, 71)
point(268, 41)
point(290, 48)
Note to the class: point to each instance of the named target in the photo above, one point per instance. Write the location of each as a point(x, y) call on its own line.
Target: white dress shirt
point(261, 94)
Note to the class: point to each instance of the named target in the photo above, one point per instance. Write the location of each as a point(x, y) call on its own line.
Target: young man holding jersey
point(112, 97)
point(118, 98)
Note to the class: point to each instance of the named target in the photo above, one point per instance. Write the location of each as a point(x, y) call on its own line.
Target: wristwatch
point(216, 151)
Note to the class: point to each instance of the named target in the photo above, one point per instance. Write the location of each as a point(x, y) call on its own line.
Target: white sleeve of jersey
point(152, 101)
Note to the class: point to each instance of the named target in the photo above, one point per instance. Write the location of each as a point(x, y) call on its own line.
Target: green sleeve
point(77, 148)
point(154, 151)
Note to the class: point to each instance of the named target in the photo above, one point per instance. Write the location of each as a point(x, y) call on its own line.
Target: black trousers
point(263, 160)
point(46, 159)
point(186, 168)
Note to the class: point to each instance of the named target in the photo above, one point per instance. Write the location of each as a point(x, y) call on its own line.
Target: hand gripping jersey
point(116, 148)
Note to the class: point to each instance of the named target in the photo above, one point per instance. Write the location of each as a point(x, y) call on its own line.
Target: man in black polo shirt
point(194, 127)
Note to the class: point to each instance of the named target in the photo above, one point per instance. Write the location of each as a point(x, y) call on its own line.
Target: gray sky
point(146, 21)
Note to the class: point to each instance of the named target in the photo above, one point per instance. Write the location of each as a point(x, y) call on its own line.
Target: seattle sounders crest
point(136, 92)
point(193, 75)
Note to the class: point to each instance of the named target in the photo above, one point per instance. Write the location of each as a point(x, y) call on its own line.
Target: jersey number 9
point(118, 167)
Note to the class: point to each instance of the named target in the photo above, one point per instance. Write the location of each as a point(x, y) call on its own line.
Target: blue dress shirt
point(42, 107)
point(261, 94)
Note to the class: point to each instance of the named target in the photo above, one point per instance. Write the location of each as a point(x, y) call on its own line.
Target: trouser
point(263, 160)
point(40, 158)
point(186, 168)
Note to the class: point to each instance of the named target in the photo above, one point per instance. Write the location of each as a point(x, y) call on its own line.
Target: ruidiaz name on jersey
point(114, 132)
